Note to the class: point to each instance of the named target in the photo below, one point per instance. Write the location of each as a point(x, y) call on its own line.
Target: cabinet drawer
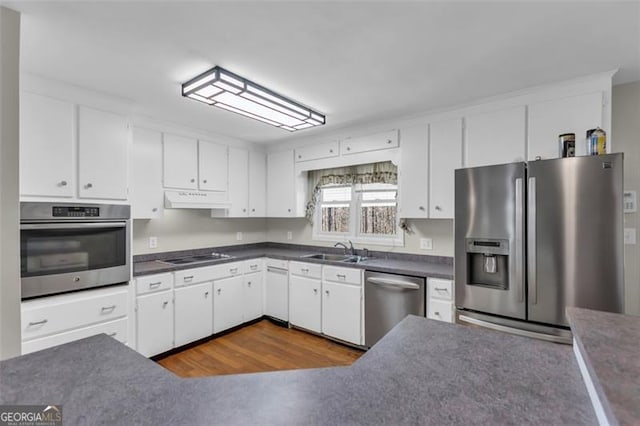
point(374, 142)
point(342, 275)
point(253, 265)
point(309, 270)
point(277, 263)
point(154, 283)
point(440, 310)
point(116, 329)
point(317, 151)
point(54, 314)
point(440, 289)
point(208, 273)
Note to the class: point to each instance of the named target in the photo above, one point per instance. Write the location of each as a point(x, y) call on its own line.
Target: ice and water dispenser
point(488, 263)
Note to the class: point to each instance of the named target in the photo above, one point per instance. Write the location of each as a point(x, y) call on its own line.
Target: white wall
point(9, 213)
point(192, 229)
point(626, 138)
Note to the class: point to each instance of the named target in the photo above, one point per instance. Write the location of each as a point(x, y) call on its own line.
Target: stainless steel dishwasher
point(388, 298)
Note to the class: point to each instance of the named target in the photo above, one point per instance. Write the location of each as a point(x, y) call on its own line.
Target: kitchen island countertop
point(422, 372)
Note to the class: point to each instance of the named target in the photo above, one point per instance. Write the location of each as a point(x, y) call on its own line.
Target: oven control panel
point(75, 211)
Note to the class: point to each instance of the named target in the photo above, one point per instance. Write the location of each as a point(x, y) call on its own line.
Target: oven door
point(62, 257)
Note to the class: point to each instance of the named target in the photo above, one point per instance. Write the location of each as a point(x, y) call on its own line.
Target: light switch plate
point(289, 235)
point(239, 236)
point(426, 244)
point(153, 242)
point(630, 201)
point(630, 236)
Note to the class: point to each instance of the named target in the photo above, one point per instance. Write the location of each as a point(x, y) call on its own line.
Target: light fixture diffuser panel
point(229, 91)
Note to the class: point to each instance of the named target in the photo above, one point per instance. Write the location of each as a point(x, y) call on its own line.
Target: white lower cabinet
point(193, 313)
point(154, 318)
point(253, 300)
point(305, 303)
point(440, 299)
point(342, 303)
point(227, 303)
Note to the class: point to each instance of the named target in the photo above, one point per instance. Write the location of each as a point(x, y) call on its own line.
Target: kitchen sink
point(336, 257)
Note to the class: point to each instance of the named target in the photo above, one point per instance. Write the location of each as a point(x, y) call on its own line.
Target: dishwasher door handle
point(388, 282)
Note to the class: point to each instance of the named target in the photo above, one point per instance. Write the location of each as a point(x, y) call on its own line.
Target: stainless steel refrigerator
point(533, 238)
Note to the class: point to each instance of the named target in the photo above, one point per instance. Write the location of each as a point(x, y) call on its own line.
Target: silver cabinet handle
point(204, 181)
point(348, 148)
point(289, 210)
point(253, 267)
point(389, 141)
point(393, 283)
point(331, 151)
point(248, 283)
point(206, 294)
point(305, 270)
point(41, 322)
point(446, 290)
point(154, 285)
point(155, 209)
point(421, 208)
point(341, 276)
point(188, 279)
point(438, 208)
point(326, 292)
point(531, 250)
point(436, 313)
point(164, 304)
point(253, 210)
point(315, 291)
point(233, 270)
point(244, 210)
point(193, 180)
point(519, 272)
point(108, 308)
point(63, 183)
point(219, 291)
point(299, 156)
point(88, 186)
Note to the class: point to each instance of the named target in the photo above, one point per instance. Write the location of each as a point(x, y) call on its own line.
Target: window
point(360, 212)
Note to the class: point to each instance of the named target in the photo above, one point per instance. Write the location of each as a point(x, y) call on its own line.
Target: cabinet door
point(253, 300)
point(194, 311)
point(445, 156)
point(414, 172)
point(257, 184)
point(154, 319)
point(103, 141)
point(239, 182)
point(305, 303)
point(46, 146)
point(341, 312)
point(495, 137)
point(280, 184)
point(383, 140)
point(548, 120)
point(227, 303)
point(147, 195)
point(180, 163)
point(276, 297)
point(212, 166)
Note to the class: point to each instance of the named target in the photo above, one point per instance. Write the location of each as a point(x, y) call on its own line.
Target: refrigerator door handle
point(519, 281)
point(531, 242)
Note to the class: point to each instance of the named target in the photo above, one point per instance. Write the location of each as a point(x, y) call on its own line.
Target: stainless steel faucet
point(351, 249)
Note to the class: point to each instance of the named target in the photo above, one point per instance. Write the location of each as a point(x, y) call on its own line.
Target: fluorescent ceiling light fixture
point(231, 92)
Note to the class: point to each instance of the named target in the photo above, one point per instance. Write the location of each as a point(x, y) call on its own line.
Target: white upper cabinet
point(495, 137)
point(147, 196)
point(212, 166)
point(257, 184)
point(317, 151)
point(46, 146)
point(180, 162)
point(383, 140)
point(414, 172)
point(445, 155)
point(547, 120)
point(103, 142)
point(281, 185)
point(238, 182)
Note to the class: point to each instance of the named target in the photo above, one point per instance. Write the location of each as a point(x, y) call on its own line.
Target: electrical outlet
point(153, 242)
point(289, 235)
point(630, 236)
point(426, 244)
point(239, 236)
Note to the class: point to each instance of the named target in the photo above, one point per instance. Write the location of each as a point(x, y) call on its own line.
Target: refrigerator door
point(574, 236)
point(489, 239)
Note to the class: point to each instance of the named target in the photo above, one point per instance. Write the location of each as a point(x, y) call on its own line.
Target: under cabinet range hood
point(196, 200)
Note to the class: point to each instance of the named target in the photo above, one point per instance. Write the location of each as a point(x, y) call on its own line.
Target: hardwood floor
point(259, 347)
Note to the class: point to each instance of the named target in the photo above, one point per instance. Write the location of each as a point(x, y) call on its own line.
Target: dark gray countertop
point(610, 346)
point(395, 263)
point(422, 372)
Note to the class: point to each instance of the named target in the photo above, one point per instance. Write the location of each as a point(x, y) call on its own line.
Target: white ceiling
point(357, 62)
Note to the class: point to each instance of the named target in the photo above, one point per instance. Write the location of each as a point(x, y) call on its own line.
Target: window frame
point(355, 205)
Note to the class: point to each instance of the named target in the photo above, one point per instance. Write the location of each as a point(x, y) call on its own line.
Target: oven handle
point(73, 225)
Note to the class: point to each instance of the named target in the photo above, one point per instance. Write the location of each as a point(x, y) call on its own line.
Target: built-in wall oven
point(68, 247)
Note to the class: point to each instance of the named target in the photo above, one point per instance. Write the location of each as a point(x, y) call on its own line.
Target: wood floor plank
point(259, 347)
